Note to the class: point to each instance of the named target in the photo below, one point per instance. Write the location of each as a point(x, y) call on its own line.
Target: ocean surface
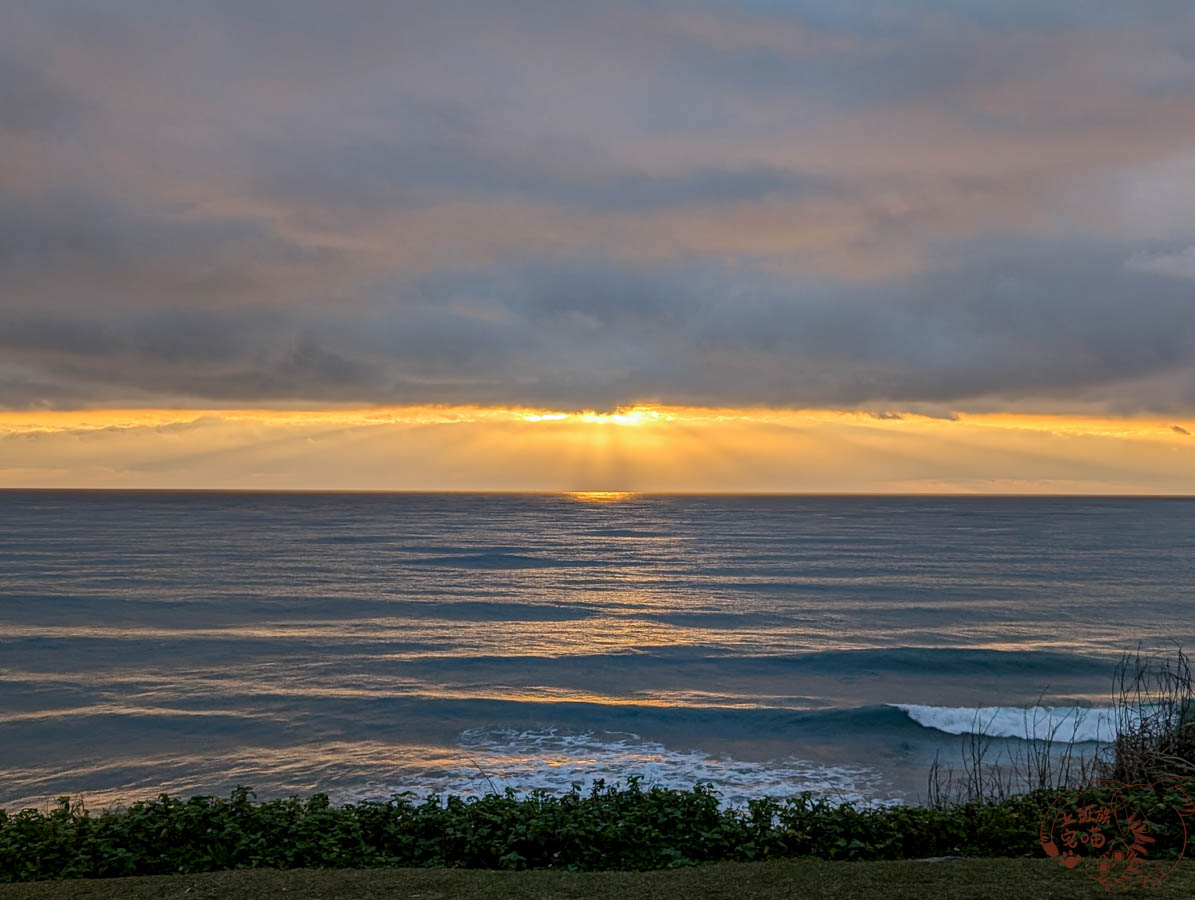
point(369, 644)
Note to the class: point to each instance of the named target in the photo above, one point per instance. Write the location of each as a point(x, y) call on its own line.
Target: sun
point(630, 416)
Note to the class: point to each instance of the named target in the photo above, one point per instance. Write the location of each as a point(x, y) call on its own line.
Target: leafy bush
point(611, 827)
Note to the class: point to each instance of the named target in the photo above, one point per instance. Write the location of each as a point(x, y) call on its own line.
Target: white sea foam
point(549, 759)
point(1062, 723)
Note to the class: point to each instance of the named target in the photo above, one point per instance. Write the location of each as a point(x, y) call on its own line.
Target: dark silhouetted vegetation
point(1155, 711)
point(611, 827)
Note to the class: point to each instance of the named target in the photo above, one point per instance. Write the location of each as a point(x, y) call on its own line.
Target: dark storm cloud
point(682, 333)
point(881, 206)
point(238, 355)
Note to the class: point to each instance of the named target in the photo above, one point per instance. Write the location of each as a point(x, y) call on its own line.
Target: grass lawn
point(998, 879)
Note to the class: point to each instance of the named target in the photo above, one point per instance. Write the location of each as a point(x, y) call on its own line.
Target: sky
point(519, 244)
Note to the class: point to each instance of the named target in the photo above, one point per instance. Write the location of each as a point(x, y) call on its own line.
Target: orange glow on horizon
point(635, 415)
point(596, 455)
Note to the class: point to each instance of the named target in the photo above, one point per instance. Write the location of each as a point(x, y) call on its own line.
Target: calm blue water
point(364, 644)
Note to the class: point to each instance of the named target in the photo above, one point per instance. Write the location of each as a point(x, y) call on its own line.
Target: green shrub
point(610, 827)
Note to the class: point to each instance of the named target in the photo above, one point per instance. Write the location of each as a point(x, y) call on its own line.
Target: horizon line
point(575, 492)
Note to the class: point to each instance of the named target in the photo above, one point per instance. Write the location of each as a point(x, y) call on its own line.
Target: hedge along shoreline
point(610, 827)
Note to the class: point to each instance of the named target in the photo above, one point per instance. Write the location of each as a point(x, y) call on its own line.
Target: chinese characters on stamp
point(1101, 829)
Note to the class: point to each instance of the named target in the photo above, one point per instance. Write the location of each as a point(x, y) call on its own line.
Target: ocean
point(364, 645)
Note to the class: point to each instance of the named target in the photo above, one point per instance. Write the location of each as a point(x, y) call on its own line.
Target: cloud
point(1178, 429)
point(1178, 265)
point(523, 202)
point(31, 100)
point(1023, 325)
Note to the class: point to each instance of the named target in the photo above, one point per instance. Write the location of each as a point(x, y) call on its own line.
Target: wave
point(626, 532)
point(1010, 667)
point(690, 718)
point(973, 662)
point(1062, 723)
point(555, 760)
point(490, 611)
point(494, 560)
